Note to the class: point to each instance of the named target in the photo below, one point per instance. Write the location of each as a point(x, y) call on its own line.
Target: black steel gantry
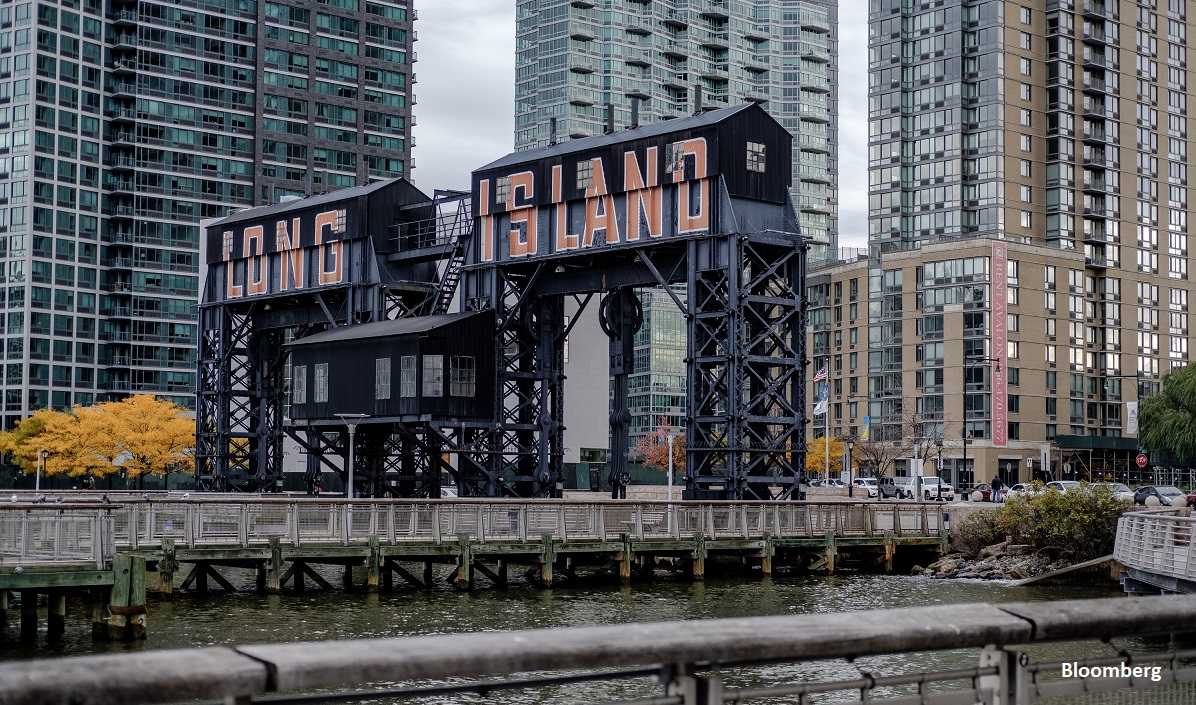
point(697, 205)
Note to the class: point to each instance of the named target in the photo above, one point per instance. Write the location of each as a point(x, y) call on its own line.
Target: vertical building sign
point(1131, 418)
point(1000, 266)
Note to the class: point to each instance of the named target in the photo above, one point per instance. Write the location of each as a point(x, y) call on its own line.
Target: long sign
point(605, 200)
point(297, 251)
point(1000, 269)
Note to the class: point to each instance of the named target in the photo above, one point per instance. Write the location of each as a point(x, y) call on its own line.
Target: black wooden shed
point(423, 368)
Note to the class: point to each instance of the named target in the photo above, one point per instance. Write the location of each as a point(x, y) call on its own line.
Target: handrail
point(1158, 542)
point(247, 671)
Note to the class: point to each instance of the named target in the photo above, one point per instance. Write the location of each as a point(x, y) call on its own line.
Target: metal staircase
point(458, 227)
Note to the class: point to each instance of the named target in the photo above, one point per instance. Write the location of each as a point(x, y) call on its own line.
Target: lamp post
point(671, 437)
point(37, 480)
point(350, 420)
point(969, 363)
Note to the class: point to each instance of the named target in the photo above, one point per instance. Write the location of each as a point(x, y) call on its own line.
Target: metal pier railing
point(692, 662)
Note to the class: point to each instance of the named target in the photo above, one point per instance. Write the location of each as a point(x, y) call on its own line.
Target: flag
point(825, 392)
point(820, 375)
point(820, 407)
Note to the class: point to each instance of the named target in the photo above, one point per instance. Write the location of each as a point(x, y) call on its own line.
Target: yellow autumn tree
point(816, 457)
point(23, 442)
point(150, 434)
point(78, 444)
point(656, 454)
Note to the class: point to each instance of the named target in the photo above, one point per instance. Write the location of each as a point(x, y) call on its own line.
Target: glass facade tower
point(574, 58)
point(125, 123)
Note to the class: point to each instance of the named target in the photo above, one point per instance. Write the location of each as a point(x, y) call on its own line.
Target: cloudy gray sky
point(465, 99)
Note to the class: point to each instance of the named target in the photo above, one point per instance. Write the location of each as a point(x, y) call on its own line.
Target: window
point(1023, 65)
point(299, 385)
point(433, 375)
point(1025, 142)
point(1014, 349)
point(407, 376)
point(1015, 431)
point(463, 377)
point(585, 174)
point(755, 156)
point(320, 394)
point(1025, 219)
point(1026, 40)
point(1013, 403)
point(1025, 117)
point(382, 378)
point(1024, 15)
point(1026, 168)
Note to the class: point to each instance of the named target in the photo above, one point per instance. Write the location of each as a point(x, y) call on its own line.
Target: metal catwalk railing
point(703, 662)
point(1158, 543)
point(36, 533)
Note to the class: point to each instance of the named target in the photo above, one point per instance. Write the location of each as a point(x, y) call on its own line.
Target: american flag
point(821, 375)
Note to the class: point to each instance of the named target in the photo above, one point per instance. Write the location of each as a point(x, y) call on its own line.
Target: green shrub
point(1078, 525)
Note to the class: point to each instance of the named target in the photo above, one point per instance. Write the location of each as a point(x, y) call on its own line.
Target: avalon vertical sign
point(1000, 352)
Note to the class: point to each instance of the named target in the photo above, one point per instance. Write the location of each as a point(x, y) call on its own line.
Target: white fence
point(1157, 543)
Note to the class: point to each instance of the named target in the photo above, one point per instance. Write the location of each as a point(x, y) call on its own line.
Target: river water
point(246, 618)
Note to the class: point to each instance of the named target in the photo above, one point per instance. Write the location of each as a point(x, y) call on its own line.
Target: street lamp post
point(350, 420)
point(671, 437)
point(37, 480)
point(969, 363)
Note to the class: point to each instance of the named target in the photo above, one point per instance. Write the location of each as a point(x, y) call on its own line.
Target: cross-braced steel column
point(745, 389)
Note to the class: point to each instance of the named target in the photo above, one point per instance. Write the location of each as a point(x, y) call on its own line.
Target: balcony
point(116, 263)
point(123, 164)
point(123, 90)
point(124, 66)
point(715, 39)
point(638, 57)
point(118, 312)
point(757, 63)
point(1097, 262)
point(812, 22)
point(1095, 10)
point(123, 115)
point(117, 361)
point(120, 186)
point(814, 113)
point(125, 18)
point(122, 212)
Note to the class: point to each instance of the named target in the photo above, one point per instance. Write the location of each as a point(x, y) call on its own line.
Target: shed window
point(433, 375)
point(320, 394)
point(382, 378)
point(407, 376)
point(463, 377)
point(299, 385)
point(755, 156)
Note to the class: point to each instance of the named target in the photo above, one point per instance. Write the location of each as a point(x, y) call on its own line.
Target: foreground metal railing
point(705, 662)
point(39, 532)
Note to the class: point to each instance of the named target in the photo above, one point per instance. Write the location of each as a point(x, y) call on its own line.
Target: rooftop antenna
point(551, 131)
point(698, 99)
point(610, 119)
point(635, 113)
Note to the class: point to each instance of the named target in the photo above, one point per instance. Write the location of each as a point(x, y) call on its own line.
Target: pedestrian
point(997, 485)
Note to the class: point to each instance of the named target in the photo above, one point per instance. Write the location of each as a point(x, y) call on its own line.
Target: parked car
point(867, 483)
point(934, 488)
point(1024, 488)
point(835, 482)
point(448, 493)
point(898, 487)
point(986, 492)
point(1166, 494)
point(1122, 491)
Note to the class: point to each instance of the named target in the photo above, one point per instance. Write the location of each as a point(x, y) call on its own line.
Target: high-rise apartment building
point(574, 58)
point(1027, 280)
point(126, 123)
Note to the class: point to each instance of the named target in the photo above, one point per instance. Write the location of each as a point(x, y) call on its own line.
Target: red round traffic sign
point(1141, 460)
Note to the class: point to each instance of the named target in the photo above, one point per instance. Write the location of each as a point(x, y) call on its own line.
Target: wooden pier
point(103, 552)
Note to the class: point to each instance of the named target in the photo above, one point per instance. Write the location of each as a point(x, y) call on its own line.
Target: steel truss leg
point(746, 356)
point(621, 314)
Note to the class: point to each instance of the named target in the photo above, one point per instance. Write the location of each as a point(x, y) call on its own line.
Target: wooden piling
point(547, 557)
point(274, 568)
point(100, 597)
point(766, 556)
point(28, 616)
point(56, 619)
point(697, 563)
point(3, 611)
point(121, 568)
point(625, 558)
point(832, 552)
point(166, 568)
point(373, 565)
point(463, 579)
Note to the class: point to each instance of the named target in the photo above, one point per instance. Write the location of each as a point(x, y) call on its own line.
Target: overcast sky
point(465, 99)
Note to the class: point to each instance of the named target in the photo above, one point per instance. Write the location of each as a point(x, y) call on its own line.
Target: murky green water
point(246, 618)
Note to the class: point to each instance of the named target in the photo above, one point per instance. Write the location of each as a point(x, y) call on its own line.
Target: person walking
point(997, 485)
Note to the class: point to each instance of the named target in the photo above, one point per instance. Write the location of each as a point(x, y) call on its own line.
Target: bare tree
point(880, 454)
